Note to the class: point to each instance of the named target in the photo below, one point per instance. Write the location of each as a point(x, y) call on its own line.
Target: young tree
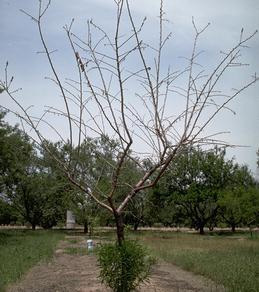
point(121, 92)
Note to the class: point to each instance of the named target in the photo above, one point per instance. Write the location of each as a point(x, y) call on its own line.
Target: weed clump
point(124, 267)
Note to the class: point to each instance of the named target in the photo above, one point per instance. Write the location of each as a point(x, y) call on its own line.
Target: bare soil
point(79, 273)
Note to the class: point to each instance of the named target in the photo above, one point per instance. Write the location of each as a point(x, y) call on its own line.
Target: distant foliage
point(202, 188)
point(28, 186)
point(8, 214)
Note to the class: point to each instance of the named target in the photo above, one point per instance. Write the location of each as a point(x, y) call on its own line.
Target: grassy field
point(22, 249)
point(230, 260)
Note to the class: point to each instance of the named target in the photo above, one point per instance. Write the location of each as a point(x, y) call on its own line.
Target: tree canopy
point(199, 185)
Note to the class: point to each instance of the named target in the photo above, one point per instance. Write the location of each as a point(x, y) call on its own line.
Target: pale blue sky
point(19, 42)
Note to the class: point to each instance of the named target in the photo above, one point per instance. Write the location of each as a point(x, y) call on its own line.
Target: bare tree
point(123, 91)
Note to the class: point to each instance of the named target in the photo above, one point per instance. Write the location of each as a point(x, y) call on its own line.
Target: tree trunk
point(233, 228)
point(33, 226)
point(86, 227)
point(211, 228)
point(136, 224)
point(119, 228)
point(201, 228)
point(251, 231)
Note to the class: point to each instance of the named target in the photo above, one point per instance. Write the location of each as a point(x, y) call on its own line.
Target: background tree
point(16, 152)
point(195, 182)
point(251, 207)
point(161, 207)
point(8, 214)
point(86, 212)
point(135, 214)
point(54, 203)
point(26, 183)
point(16, 156)
point(232, 200)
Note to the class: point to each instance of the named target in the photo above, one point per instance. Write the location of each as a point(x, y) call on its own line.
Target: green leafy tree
point(8, 214)
point(135, 214)
point(59, 191)
point(232, 199)
point(95, 163)
point(161, 207)
point(195, 181)
point(34, 192)
point(16, 153)
point(16, 167)
point(54, 201)
point(250, 205)
point(86, 211)
point(28, 198)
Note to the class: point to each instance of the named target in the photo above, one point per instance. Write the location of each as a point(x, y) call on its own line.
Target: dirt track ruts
point(79, 273)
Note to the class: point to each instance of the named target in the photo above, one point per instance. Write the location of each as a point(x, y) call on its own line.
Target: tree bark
point(119, 228)
point(201, 228)
point(233, 228)
point(33, 226)
point(136, 225)
point(251, 231)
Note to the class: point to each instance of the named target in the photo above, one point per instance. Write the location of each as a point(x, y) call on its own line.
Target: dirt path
point(79, 273)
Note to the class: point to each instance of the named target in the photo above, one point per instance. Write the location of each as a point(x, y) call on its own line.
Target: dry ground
point(79, 273)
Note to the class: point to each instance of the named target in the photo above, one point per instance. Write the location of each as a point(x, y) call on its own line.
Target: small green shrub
point(124, 267)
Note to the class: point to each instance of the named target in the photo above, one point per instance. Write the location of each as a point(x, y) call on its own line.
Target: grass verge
point(22, 249)
point(232, 261)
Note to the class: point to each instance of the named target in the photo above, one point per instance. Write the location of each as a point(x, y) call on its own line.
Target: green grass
point(76, 250)
point(73, 241)
point(232, 261)
point(22, 249)
point(229, 260)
